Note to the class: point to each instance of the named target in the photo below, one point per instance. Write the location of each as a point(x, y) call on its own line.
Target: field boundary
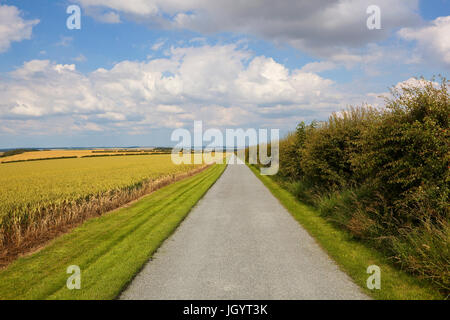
point(65, 218)
point(38, 159)
point(85, 156)
point(352, 257)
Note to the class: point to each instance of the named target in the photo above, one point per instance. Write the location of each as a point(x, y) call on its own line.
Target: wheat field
point(38, 196)
point(60, 153)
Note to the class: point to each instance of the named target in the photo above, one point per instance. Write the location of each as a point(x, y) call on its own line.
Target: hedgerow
point(383, 174)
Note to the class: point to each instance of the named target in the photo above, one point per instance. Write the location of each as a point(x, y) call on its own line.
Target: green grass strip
point(352, 256)
point(110, 250)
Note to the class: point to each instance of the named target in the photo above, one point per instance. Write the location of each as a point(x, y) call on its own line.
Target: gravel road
point(239, 242)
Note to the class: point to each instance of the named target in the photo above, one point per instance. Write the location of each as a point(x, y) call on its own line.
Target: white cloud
point(109, 17)
point(433, 39)
point(30, 68)
point(90, 126)
point(374, 60)
point(114, 116)
point(319, 66)
point(222, 85)
point(13, 28)
point(65, 42)
point(169, 109)
point(321, 27)
point(158, 45)
point(138, 7)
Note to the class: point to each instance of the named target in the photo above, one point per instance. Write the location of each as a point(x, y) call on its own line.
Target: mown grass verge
point(109, 249)
point(352, 256)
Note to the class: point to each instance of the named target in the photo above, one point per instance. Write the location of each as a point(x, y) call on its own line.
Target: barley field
point(39, 196)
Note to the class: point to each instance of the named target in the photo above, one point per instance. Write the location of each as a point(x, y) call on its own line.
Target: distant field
point(65, 153)
point(38, 195)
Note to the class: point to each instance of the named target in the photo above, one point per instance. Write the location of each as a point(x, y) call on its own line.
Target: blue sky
point(138, 69)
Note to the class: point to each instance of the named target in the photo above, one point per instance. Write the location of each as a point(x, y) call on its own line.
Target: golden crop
point(44, 154)
point(36, 196)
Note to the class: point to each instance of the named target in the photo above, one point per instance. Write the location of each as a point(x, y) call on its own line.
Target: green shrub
point(292, 146)
point(383, 175)
point(406, 155)
point(16, 151)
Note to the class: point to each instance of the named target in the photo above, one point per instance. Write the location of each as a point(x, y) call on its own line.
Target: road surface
point(239, 242)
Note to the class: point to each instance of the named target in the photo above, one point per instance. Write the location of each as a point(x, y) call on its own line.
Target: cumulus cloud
point(319, 66)
point(374, 60)
point(138, 7)
point(433, 39)
point(109, 17)
point(321, 27)
point(222, 85)
point(13, 28)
